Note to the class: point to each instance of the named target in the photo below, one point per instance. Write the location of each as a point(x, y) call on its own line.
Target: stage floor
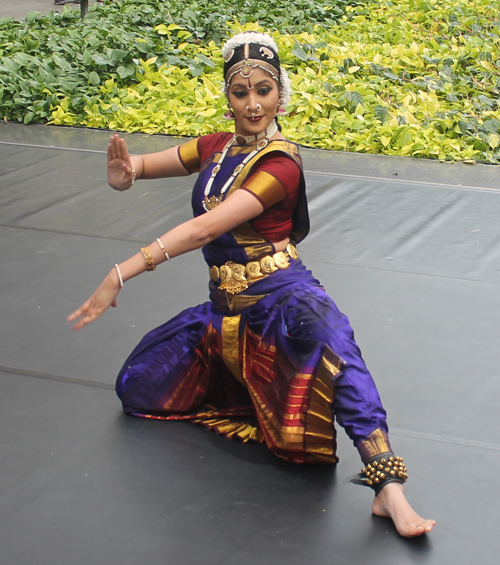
point(409, 249)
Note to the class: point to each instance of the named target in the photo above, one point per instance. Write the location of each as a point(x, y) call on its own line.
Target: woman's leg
point(357, 404)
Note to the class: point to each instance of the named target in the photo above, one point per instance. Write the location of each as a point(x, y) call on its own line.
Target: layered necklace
point(262, 140)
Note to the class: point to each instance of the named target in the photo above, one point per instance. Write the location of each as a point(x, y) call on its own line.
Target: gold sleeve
point(265, 187)
point(189, 156)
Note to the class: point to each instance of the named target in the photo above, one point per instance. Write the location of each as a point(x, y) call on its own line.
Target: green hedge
point(415, 77)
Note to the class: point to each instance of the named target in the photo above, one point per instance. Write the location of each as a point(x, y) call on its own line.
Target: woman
point(267, 357)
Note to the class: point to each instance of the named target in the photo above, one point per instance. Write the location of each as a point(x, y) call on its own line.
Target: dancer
point(269, 358)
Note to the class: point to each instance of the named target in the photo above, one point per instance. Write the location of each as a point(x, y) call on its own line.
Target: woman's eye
point(239, 94)
point(264, 91)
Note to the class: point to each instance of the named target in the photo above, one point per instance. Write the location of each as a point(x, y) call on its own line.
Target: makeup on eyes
point(247, 87)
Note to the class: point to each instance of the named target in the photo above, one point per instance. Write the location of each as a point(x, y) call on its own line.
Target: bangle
point(134, 176)
point(380, 470)
point(120, 278)
point(148, 259)
point(167, 256)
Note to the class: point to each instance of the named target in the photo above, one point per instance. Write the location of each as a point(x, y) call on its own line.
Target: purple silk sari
point(276, 363)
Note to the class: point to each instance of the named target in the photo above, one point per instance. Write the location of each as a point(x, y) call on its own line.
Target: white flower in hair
point(249, 37)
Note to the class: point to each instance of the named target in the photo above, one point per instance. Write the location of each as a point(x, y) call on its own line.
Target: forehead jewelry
point(246, 65)
point(262, 140)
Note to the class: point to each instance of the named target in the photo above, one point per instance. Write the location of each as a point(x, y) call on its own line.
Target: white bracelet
point(120, 278)
point(134, 176)
point(167, 256)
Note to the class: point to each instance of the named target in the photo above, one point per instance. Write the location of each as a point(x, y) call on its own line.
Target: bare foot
point(391, 503)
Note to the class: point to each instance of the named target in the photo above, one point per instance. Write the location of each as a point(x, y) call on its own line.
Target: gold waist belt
point(235, 278)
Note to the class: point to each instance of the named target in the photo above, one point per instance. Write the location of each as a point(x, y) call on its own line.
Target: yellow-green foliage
point(416, 77)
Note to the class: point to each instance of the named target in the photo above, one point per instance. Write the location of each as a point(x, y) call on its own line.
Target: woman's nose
point(253, 106)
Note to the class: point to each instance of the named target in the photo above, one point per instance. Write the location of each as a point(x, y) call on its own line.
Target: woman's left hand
point(98, 303)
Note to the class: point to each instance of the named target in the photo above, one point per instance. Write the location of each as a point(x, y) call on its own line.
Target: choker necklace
point(262, 140)
point(247, 139)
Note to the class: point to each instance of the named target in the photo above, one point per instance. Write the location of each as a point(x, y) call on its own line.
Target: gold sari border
point(231, 345)
point(375, 444)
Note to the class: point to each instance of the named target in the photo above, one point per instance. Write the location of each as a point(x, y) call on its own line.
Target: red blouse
point(274, 181)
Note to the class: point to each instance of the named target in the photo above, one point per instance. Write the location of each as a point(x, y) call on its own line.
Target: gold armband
point(148, 259)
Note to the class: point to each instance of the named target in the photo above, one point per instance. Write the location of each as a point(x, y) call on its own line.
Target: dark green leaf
point(492, 125)
point(94, 78)
point(300, 53)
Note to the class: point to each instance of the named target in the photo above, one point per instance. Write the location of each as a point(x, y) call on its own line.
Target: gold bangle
point(167, 256)
point(149, 263)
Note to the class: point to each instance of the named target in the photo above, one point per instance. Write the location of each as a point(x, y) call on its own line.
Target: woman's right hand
point(120, 169)
point(98, 303)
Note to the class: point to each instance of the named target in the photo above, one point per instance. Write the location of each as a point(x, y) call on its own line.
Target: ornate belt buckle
point(232, 278)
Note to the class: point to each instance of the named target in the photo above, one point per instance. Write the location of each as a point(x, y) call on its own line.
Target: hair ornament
point(248, 37)
point(266, 52)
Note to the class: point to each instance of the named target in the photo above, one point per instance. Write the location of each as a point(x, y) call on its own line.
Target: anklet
point(381, 470)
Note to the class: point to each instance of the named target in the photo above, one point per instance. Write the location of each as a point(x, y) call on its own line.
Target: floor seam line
point(64, 232)
point(445, 439)
point(58, 378)
point(403, 180)
point(394, 431)
point(306, 171)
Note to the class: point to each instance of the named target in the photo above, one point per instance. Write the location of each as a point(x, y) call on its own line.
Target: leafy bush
point(417, 77)
point(48, 58)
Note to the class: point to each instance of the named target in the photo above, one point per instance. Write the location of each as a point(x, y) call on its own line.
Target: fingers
point(92, 309)
point(77, 313)
point(89, 315)
point(117, 148)
point(84, 321)
point(82, 311)
point(112, 151)
point(123, 149)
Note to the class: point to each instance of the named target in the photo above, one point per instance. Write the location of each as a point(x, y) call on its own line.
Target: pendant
point(212, 202)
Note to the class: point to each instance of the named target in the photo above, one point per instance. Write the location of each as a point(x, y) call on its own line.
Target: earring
point(229, 115)
point(281, 105)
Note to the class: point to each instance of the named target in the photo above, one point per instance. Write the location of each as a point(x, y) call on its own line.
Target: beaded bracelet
point(381, 470)
point(149, 263)
point(120, 278)
point(167, 256)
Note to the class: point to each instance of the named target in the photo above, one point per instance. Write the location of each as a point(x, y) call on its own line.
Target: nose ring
point(258, 107)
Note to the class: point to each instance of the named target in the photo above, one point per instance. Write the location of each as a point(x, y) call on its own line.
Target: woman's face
point(254, 101)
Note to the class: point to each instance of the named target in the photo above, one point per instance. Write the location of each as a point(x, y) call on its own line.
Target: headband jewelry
point(248, 51)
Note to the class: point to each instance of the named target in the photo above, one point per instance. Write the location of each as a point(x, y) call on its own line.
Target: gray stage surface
point(409, 249)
